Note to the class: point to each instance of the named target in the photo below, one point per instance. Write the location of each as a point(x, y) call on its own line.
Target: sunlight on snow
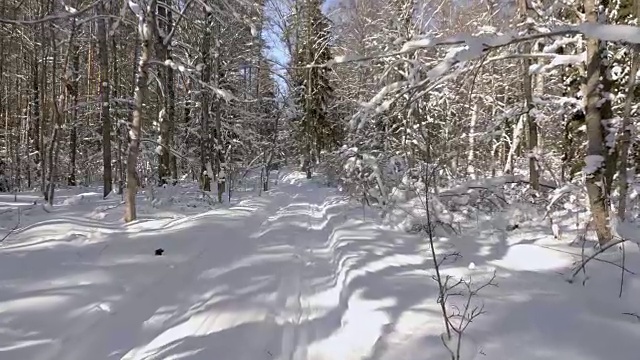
point(526, 257)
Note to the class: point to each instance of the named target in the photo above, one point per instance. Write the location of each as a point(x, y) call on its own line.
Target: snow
point(297, 273)
point(417, 44)
point(558, 60)
point(593, 163)
point(135, 8)
point(70, 9)
point(342, 59)
point(626, 33)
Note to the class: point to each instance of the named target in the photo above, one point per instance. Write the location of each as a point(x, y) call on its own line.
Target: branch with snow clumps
point(476, 46)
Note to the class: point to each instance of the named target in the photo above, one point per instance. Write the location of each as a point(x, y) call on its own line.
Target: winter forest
point(319, 180)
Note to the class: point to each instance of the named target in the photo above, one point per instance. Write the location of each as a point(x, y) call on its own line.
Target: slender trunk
point(118, 125)
point(171, 105)
point(205, 136)
point(54, 123)
point(163, 119)
point(105, 120)
point(527, 89)
point(72, 90)
point(127, 133)
point(515, 143)
point(596, 154)
point(309, 90)
point(606, 115)
point(43, 115)
point(73, 134)
point(16, 141)
point(147, 23)
point(219, 146)
point(625, 129)
point(472, 137)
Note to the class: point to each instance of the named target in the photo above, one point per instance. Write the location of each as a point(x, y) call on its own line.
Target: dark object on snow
point(159, 251)
point(512, 227)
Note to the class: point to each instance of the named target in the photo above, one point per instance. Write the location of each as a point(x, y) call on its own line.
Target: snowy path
point(228, 275)
point(293, 275)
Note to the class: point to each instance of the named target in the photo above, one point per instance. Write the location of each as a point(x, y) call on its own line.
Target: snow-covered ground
point(298, 273)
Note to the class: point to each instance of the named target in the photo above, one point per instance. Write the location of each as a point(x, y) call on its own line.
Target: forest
point(456, 123)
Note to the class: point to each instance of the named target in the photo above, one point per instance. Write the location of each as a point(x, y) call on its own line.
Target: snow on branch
point(68, 13)
point(135, 8)
point(476, 46)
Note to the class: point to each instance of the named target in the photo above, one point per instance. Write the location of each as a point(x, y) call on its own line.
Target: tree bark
point(73, 134)
point(146, 26)
point(625, 129)
point(107, 179)
point(527, 89)
point(219, 175)
point(119, 132)
point(206, 172)
point(596, 151)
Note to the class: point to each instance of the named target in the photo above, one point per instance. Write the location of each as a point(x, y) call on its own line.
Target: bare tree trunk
point(107, 179)
point(127, 134)
point(43, 114)
point(596, 155)
point(205, 136)
point(219, 176)
point(472, 138)
point(55, 121)
point(171, 115)
point(625, 129)
point(166, 116)
point(72, 90)
point(147, 24)
point(17, 145)
point(172, 168)
point(35, 117)
point(527, 88)
point(515, 143)
point(309, 119)
point(119, 133)
point(73, 133)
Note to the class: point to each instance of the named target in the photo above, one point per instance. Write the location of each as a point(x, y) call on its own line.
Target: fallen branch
point(600, 251)
point(596, 259)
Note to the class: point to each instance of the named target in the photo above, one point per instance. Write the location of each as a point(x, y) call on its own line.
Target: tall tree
point(146, 29)
point(105, 119)
point(597, 154)
point(313, 89)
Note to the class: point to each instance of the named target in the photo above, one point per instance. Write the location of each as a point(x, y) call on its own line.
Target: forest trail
point(233, 283)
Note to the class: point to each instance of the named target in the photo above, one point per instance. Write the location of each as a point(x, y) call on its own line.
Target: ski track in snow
point(296, 274)
point(119, 332)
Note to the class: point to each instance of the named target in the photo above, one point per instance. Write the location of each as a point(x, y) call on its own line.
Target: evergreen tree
point(313, 92)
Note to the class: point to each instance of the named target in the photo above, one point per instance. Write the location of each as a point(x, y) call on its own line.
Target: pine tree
point(313, 92)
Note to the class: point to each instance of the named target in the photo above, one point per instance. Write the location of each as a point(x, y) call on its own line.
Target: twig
point(436, 266)
point(600, 251)
point(632, 314)
point(596, 259)
point(469, 313)
point(15, 227)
